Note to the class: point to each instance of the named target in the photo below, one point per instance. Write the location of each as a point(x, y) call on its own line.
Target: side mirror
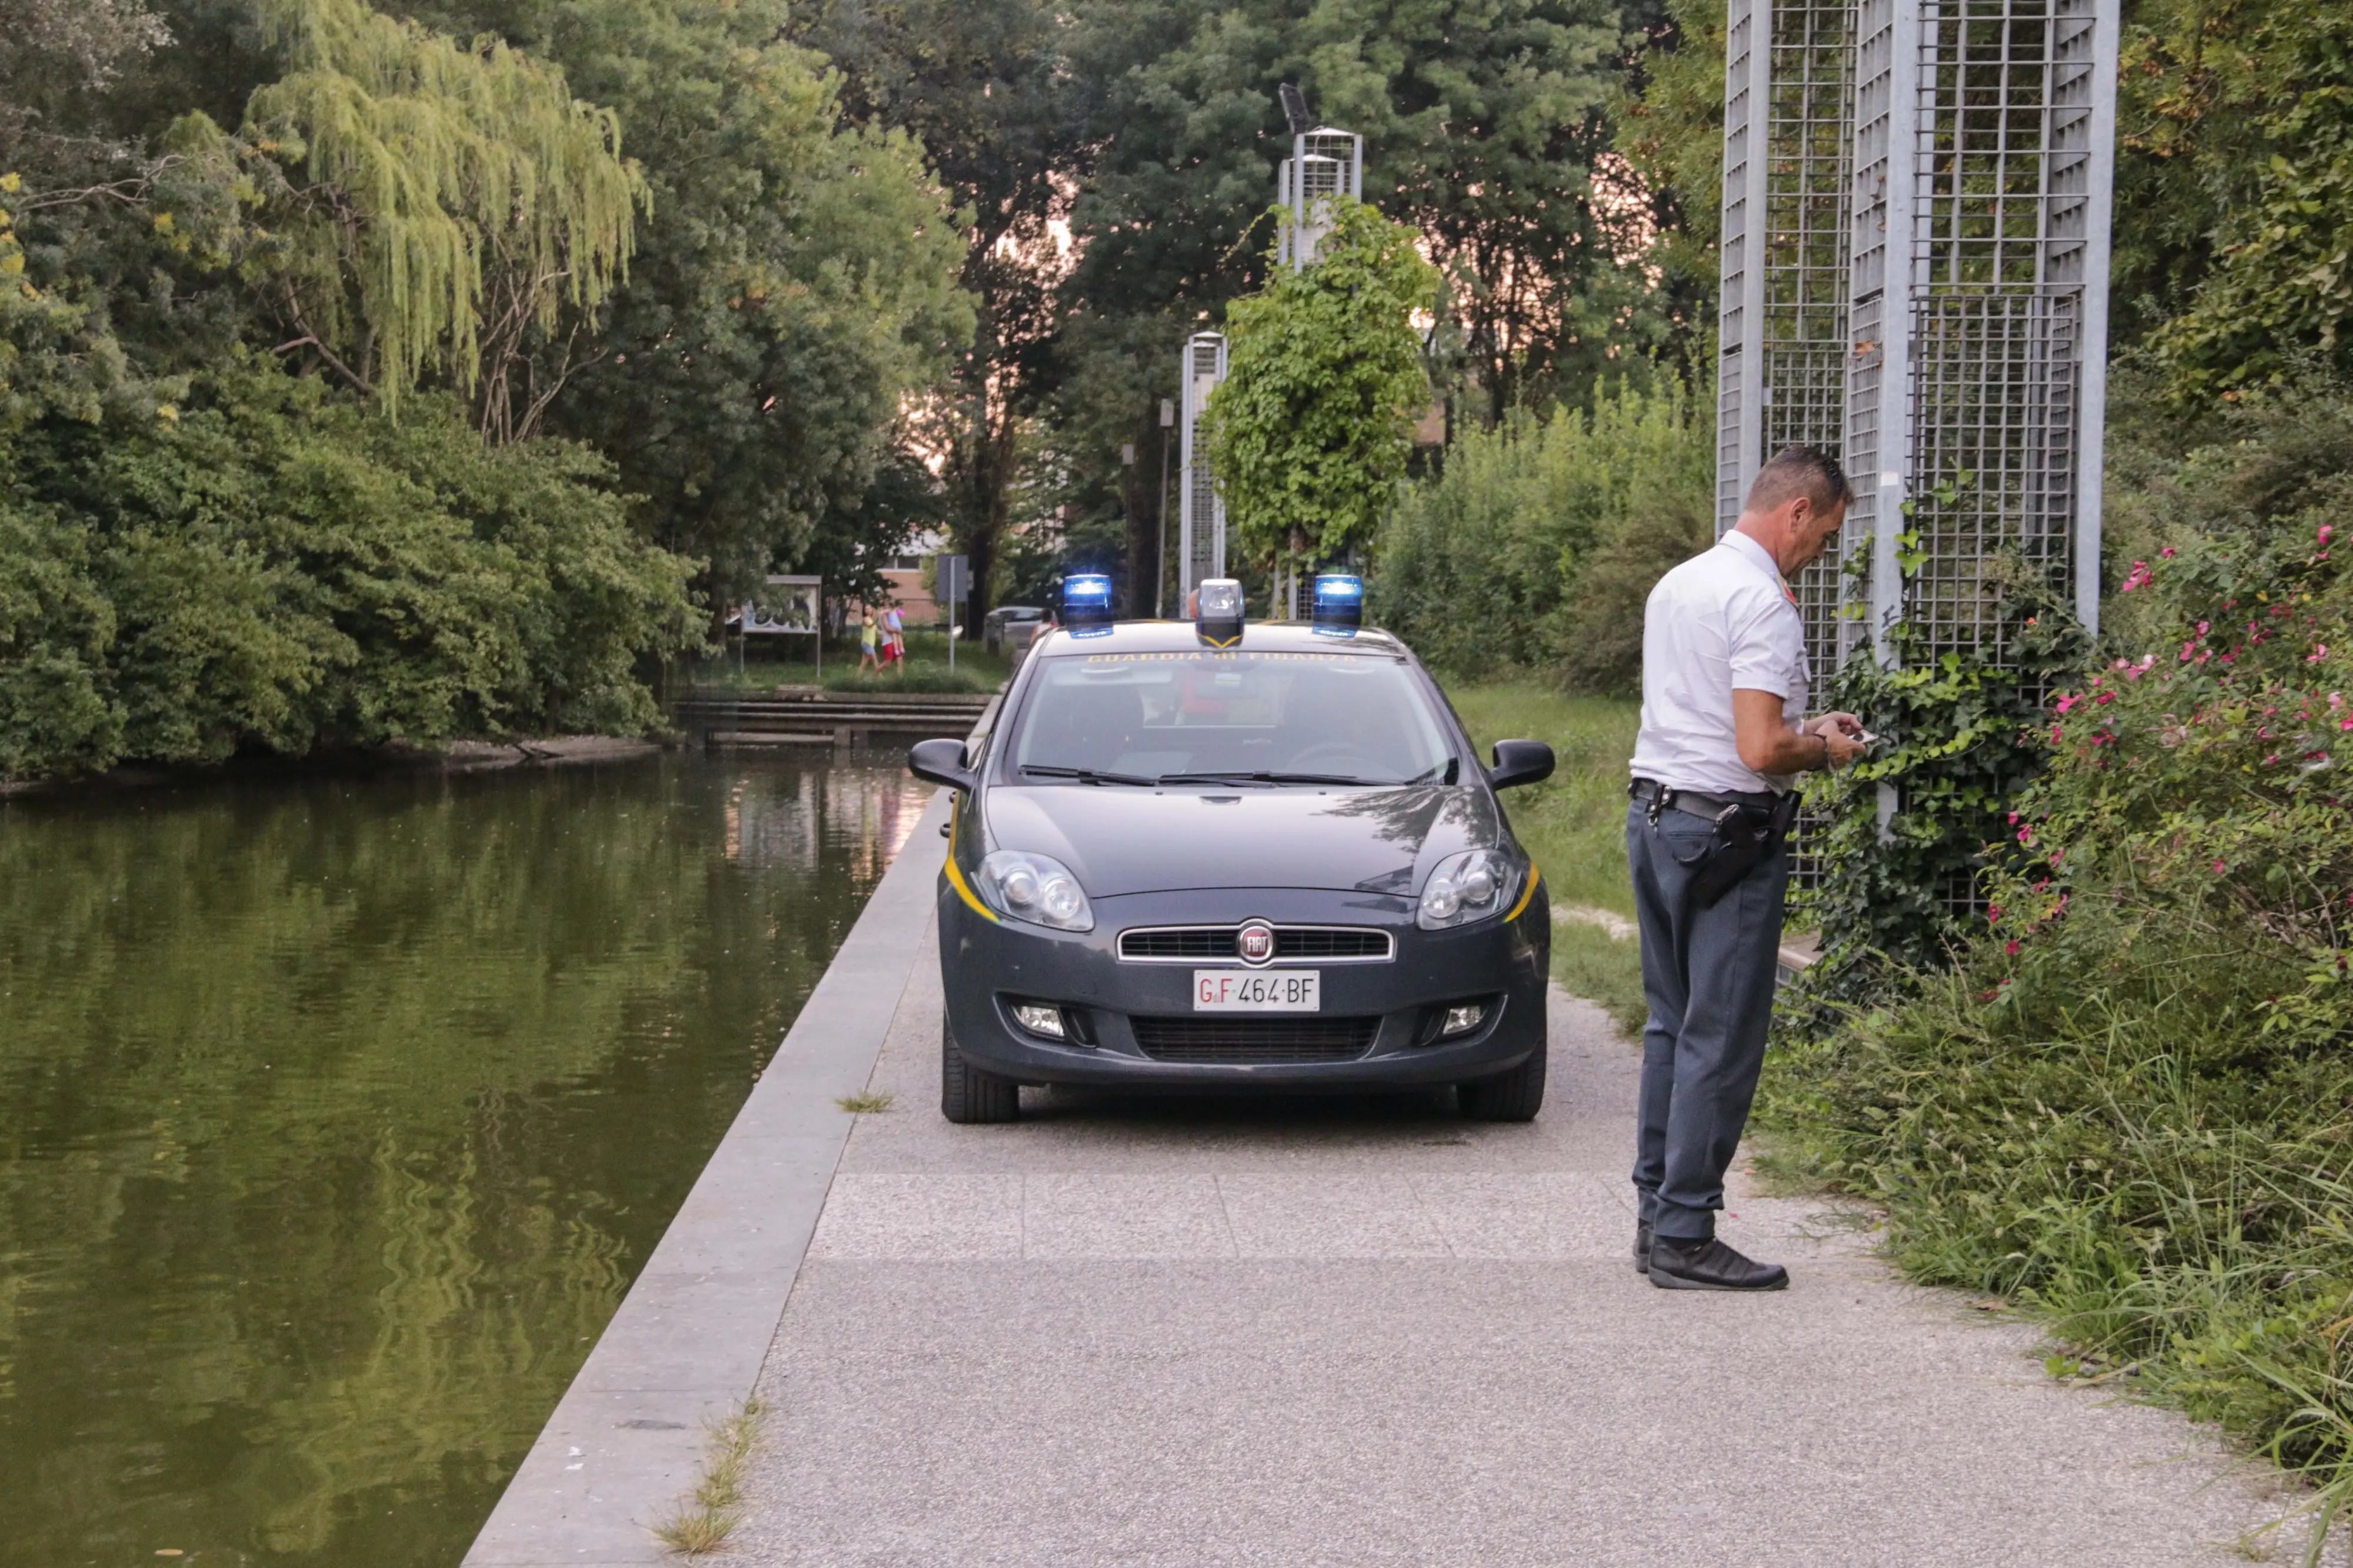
point(1519, 762)
point(941, 761)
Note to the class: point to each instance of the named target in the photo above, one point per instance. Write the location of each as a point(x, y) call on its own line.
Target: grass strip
point(703, 1523)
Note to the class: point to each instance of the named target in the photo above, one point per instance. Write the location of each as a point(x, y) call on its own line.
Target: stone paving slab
point(1364, 1332)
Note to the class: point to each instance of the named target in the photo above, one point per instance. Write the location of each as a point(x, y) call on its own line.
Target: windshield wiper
point(1084, 775)
point(1264, 778)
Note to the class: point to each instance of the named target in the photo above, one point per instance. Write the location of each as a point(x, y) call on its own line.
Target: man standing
point(1725, 683)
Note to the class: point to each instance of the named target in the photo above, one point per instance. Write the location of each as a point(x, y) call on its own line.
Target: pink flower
point(2326, 529)
point(2011, 948)
point(2064, 703)
point(2319, 651)
point(2218, 867)
point(2105, 698)
point(2165, 553)
point(2202, 628)
point(2026, 834)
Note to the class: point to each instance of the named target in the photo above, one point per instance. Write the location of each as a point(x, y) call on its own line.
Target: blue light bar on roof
point(1086, 599)
point(1339, 600)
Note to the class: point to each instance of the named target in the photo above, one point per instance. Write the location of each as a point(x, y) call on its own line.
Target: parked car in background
point(992, 626)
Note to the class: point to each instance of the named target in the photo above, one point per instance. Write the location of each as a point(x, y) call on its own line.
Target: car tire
point(968, 1095)
point(1513, 1096)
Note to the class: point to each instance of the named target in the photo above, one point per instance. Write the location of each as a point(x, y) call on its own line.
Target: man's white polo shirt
point(1721, 620)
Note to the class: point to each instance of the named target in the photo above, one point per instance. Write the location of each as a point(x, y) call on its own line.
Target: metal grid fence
point(1201, 514)
point(1809, 110)
point(1922, 291)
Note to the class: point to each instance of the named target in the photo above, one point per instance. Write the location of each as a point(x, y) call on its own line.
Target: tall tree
point(1310, 434)
point(457, 196)
point(1482, 123)
point(978, 83)
point(795, 288)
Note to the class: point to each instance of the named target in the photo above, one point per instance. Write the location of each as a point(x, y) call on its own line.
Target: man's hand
point(1768, 745)
point(1848, 738)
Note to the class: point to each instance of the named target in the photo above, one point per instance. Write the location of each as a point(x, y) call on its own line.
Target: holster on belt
point(1743, 832)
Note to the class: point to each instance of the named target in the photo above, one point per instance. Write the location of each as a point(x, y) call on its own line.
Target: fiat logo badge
point(1255, 941)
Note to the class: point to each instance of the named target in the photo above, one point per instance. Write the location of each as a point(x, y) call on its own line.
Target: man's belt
point(1697, 803)
point(1745, 826)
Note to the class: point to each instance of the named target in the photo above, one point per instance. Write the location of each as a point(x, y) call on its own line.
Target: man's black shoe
point(1710, 1266)
point(1642, 1247)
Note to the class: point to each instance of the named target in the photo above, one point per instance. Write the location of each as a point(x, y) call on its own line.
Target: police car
point(1218, 856)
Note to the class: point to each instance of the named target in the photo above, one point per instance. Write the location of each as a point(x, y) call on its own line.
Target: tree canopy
point(1310, 433)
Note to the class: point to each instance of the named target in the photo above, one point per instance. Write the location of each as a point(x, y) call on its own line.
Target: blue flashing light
point(1339, 601)
point(1086, 598)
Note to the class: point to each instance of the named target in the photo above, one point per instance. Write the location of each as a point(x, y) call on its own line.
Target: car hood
point(1120, 839)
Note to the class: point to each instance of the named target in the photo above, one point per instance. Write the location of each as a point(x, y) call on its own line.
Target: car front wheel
point(1513, 1096)
point(967, 1094)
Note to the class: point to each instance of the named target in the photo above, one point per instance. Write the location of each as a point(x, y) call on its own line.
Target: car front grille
point(1255, 1040)
point(1329, 942)
point(1179, 944)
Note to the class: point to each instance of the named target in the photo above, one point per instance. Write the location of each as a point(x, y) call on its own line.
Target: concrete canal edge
point(626, 1443)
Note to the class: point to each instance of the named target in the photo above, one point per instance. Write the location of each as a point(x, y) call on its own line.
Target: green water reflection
point(337, 1115)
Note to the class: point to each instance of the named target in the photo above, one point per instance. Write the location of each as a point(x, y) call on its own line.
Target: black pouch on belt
point(1742, 836)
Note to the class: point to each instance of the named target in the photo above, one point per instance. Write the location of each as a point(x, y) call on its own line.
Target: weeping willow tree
point(460, 200)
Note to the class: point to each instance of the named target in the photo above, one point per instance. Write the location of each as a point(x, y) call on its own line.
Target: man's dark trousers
point(1709, 976)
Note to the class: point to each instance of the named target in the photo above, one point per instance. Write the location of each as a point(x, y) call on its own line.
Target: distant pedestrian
point(894, 634)
point(1725, 681)
point(870, 642)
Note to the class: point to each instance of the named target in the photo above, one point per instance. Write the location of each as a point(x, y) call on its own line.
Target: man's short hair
point(1797, 471)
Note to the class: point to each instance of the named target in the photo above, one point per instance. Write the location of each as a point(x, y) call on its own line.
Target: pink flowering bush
point(2130, 1107)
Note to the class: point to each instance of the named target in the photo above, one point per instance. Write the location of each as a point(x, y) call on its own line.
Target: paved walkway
point(1124, 1331)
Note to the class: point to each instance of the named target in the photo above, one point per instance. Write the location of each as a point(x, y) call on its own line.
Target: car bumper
point(1132, 1008)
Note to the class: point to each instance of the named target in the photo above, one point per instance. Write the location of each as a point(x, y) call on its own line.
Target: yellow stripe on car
point(956, 873)
point(1535, 875)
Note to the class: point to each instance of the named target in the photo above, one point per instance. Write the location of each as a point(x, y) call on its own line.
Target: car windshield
point(1213, 717)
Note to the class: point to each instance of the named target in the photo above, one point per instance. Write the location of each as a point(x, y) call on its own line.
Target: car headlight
point(1035, 887)
point(1473, 886)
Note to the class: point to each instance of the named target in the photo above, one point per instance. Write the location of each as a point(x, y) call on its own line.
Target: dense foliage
point(2129, 1108)
point(1960, 735)
point(1310, 434)
point(273, 567)
point(1538, 543)
point(369, 375)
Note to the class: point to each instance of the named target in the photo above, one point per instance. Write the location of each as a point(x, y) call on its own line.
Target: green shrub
point(1538, 542)
point(276, 566)
point(2132, 1106)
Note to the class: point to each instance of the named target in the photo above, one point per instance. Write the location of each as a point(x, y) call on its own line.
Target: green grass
point(702, 1522)
point(1574, 824)
point(865, 1104)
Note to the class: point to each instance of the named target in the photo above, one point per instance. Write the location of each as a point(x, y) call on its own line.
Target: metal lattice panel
point(1994, 445)
point(1202, 515)
point(1740, 238)
point(1782, 373)
point(2006, 98)
point(1914, 250)
point(1323, 163)
point(1811, 108)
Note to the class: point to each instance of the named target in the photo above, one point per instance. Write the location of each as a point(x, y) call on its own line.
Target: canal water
point(337, 1114)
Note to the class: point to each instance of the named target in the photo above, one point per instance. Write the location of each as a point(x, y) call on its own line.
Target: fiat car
point(1196, 856)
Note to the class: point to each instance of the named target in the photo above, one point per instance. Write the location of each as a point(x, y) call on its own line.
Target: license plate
point(1257, 991)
